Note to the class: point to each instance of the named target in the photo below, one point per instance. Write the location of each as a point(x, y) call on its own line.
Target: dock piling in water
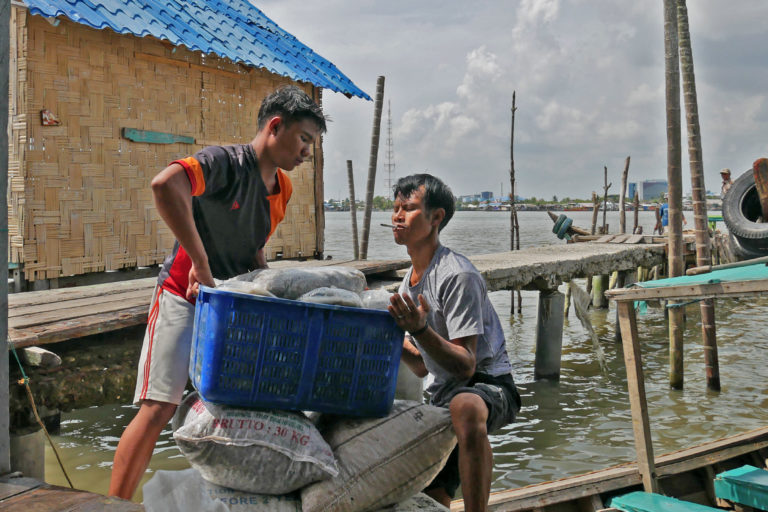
point(549, 335)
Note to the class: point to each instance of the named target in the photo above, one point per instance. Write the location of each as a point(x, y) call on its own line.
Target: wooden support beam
point(637, 401)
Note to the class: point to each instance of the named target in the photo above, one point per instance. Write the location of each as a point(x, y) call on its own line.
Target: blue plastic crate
point(253, 351)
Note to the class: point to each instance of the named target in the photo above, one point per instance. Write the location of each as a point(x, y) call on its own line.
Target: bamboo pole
point(606, 186)
point(353, 209)
point(699, 195)
point(622, 211)
point(674, 180)
point(5, 443)
point(372, 166)
point(514, 226)
point(760, 170)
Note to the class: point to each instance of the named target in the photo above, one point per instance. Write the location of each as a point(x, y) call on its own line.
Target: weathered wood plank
point(50, 498)
point(624, 475)
point(64, 307)
point(700, 291)
point(77, 328)
point(80, 292)
point(634, 239)
point(620, 239)
point(74, 313)
point(605, 238)
point(637, 401)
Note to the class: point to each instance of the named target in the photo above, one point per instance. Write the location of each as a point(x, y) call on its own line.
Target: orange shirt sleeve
point(194, 173)
point(278, 203)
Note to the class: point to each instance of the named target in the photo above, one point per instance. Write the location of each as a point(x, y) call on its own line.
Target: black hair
point(436, 193)
point(292, 104)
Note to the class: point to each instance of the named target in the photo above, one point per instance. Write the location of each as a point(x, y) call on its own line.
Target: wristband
point(420, 331)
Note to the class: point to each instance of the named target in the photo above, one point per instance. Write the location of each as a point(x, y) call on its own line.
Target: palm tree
point(674, 178)
point(703, 254)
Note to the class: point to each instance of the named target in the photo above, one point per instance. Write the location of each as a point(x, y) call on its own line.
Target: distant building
point(486, 196)
point(631, 189)
point(652, 189)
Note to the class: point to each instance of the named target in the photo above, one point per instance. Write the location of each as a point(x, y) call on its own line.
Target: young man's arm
point(456, 356)
point(172, 192)
point(412, 358)
point(261, 259)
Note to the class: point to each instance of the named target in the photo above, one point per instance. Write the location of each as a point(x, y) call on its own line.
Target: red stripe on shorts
point(151, 321)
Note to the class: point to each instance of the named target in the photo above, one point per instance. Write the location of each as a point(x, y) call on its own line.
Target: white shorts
point(164, 362)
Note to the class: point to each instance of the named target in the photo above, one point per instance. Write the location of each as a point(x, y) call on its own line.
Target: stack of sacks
point(342, 286)
point(280, 461)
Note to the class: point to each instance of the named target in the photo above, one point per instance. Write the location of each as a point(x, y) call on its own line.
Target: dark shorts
point(503, 401)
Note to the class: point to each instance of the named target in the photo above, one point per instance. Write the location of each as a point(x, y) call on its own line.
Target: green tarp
point(746, 273)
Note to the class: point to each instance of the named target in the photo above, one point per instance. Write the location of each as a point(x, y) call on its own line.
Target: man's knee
point(156, 414)
point(469, 414)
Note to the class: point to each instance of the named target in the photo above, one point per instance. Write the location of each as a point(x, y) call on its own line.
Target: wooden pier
point(51, 316)
point(22, 494)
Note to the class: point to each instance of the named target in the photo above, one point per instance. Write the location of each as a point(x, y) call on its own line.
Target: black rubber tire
point(746, 249)
point(741, 208)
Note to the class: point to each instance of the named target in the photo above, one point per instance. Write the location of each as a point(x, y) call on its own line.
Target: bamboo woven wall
point(80, 199)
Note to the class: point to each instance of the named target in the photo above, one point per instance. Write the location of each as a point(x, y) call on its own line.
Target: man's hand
point(197, 276)
point(407, 315)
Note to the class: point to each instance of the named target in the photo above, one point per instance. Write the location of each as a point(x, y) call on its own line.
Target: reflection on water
point(579, 424)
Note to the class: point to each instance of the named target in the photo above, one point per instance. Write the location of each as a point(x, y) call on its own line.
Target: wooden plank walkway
point(30, 495)
point(50, 316)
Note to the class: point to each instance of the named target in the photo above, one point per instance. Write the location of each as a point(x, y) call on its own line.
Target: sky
point(588, 77)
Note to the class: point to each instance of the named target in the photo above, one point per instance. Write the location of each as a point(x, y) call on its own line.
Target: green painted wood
point(155, 137)
point(649, 502)
point(746, 485)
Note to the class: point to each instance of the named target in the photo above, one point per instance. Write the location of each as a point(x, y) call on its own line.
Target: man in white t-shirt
point(454, 335)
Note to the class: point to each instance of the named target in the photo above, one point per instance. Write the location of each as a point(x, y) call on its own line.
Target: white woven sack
point(266, 452)
point(186, 491)
point(381, 460)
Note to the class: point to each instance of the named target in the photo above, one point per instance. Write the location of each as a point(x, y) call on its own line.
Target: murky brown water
point(580, 424)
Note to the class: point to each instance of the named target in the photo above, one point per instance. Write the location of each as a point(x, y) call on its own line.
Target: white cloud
point(588, 74)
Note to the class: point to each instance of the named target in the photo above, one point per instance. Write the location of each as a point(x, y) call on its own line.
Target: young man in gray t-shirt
point(454, 335)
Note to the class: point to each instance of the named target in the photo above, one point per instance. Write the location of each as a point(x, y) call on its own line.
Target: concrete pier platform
point(546, 267)
point(51, 316)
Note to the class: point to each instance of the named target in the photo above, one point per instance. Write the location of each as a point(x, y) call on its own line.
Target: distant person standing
point(663, 217)
point(725, 174)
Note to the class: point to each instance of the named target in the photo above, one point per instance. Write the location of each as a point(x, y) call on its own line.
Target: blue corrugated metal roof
point(234, 29)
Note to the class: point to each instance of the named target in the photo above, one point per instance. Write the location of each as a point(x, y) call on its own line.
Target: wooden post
point(5, 450)
point(353, 209)
point(760, 170)
point(372, 166)
point(567, 307)
point(595, 210)
point(641, 425)
point(599, 287)
point(637, 213)
point(623, 279)
point(514, 226)
point(699, 195)
point(549, 335)
point(674, 180)
point(622, 211)
point(606, 186)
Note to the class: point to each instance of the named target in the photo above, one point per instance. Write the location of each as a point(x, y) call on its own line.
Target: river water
point(579, 424)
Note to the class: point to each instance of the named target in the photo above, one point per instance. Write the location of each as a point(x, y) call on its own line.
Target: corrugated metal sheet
point(234, 29)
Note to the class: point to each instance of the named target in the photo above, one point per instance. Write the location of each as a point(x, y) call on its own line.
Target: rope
point(683, 304)
point(25, 381)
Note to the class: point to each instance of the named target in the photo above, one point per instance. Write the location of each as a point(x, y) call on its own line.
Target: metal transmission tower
point(390, 165)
